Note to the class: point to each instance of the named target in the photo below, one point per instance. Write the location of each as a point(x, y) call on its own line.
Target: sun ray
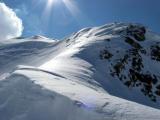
point(76, 12)
point(46, 14)
point(72, 7)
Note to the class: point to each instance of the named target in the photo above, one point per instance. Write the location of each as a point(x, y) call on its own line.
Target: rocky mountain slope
point(111, 72)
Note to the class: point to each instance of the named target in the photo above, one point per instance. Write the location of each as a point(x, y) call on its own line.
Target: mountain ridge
point(110, 71)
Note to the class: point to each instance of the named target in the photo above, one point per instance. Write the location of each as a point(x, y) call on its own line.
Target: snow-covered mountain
point(111, 72)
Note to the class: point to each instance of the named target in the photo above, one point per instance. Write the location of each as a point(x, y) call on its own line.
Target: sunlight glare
point(71, 5)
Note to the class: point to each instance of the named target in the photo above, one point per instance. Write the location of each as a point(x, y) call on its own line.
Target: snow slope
point(109, 72)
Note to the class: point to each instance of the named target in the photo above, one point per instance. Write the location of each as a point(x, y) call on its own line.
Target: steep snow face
point(115, 56)
point(107, 72)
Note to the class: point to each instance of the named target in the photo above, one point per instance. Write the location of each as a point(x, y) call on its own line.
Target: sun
point(50, 4)
point(70, 5)
point(54, 2)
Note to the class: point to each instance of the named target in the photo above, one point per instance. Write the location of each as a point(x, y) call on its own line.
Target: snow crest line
point(36, 69)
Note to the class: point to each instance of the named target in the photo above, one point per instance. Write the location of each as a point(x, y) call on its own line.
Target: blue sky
point(60, 21)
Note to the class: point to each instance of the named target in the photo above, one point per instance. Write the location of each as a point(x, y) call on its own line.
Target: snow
point(24, 100)
point(44, 79)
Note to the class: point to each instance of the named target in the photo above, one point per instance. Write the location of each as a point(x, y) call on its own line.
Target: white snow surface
point(44, 79)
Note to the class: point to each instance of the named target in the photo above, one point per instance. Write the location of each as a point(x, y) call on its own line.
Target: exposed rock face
point(155, 51)
point(105, 54)
point(130, 66)
point(138, 32)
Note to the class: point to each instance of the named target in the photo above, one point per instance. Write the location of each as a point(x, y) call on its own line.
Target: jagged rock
point(129, 68)
point(138, 32)
point(155, 52)
point(105, 54)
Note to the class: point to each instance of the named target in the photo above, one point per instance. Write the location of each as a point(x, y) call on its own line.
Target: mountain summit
point(109, 72)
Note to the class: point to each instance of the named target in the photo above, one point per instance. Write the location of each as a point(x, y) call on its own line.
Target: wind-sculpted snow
point(109, 72)
point(30, 93)
point(24, 51)
point(22, 99)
